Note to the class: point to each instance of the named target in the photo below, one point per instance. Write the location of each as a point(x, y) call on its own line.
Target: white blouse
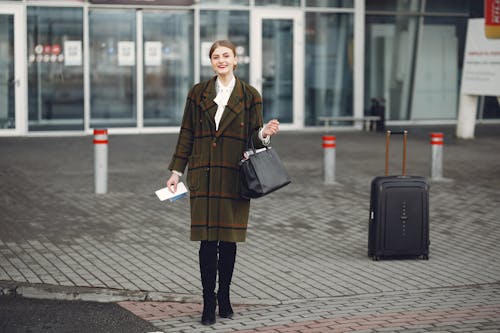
point(223, 94)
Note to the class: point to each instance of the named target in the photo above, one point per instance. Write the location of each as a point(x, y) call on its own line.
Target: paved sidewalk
point(304, 262)
point(461, 309)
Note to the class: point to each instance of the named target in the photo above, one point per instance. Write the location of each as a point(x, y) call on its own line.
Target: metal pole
point(329, 146)
point(387, 138)
point(437, 140)
point(405, 140)
point(100, 161)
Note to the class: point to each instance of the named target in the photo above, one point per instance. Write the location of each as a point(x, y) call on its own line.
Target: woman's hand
point(271, 128)
point(172, 182)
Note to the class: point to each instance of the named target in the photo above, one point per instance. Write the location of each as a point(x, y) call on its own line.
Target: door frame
point(20, 65)
point(297, 16)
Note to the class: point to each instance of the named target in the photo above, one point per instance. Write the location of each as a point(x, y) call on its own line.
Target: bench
point(368, 121)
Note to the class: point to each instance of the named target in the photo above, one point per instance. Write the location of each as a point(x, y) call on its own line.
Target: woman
point(220, 114)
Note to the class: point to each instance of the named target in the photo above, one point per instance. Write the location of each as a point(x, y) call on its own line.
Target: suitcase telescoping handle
point(387, 136)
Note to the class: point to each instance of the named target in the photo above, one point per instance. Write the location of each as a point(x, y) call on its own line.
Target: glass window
point(389, 61)
point(277, 69)
point(142, 2)
point(112, 68)
point(491, 107)
point(55, 68)
point(224, 2)
point(449, 6)
point(222, 24)
point(168, 66)
point(330, 3)
point(438, 68)
point(393, 5)
point(329, 65)
point(7, 78)
point(287, 3)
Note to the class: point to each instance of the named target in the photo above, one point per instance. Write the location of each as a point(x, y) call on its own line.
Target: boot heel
point(208, 315)
point(225, 309)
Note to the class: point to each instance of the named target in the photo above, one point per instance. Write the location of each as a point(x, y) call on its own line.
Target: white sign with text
point(481, 71)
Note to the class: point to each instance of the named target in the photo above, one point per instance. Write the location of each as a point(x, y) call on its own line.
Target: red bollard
point(100, 161)
point(329, 145)
point(437, 141)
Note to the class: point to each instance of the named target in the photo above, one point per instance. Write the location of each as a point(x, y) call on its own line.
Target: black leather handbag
point(261, 172)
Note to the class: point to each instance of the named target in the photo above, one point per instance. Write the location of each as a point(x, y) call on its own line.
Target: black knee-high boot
point(208, 270)
point(227, 257)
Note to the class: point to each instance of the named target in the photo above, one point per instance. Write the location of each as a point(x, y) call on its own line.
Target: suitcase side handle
point(387, 139)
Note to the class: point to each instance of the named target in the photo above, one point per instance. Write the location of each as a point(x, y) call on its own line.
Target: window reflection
point(222, 24)
point(415, 83)
point(490, 107)
point(112, 68)
point(330, 3)
point(224, 2)
point(329, 65)
point(389, 61)
point(7, 82)
point(168, 70)
point(453, 6)
point(393, 5)
point(277, 69)
point(288, 3)
point(55, 82)
point(439, 64)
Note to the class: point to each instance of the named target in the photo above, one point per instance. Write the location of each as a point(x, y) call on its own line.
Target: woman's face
point(223, 61)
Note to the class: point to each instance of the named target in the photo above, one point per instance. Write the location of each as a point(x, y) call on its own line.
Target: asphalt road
point(19, 314)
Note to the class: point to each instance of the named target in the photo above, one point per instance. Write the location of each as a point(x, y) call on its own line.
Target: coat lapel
point(208, 105)
point(233, 108)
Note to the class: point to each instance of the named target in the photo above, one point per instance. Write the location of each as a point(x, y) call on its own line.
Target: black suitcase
point(399, 213)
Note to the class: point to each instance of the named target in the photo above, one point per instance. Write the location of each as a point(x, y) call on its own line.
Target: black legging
point(210, 263)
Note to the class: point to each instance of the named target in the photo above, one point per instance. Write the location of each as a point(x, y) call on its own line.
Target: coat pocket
point(194, 172)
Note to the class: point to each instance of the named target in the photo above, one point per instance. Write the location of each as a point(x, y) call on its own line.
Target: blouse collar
point(223, 92)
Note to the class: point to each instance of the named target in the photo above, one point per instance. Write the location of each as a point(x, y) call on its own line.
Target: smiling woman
point(220, 114)
point(224, 60)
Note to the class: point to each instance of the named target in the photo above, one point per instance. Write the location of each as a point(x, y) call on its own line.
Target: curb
point(106, 295)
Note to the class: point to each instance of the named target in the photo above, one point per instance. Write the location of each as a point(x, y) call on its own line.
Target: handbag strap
point(247, 119)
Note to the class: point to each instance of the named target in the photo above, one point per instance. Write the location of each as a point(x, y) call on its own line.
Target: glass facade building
point(127, 65)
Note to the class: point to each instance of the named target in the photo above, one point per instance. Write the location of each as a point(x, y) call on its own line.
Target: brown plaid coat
point(217, 210)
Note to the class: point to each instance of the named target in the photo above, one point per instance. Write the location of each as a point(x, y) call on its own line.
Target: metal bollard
point(100, 161)
point(437, 141)
point(329, 145)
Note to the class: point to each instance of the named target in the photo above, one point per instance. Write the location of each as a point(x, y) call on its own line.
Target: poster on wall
point(72, 53)
point(126, 53)
point(205, 49)
point(481, 71)
point(152, 53)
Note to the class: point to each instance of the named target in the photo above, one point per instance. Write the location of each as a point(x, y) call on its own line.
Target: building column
point(359, 59)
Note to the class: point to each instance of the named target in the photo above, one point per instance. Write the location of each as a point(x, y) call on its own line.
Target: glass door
point(55, 68)
point(113, 74)
point(11, 70)
point(277, 65)
point(167, 66)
